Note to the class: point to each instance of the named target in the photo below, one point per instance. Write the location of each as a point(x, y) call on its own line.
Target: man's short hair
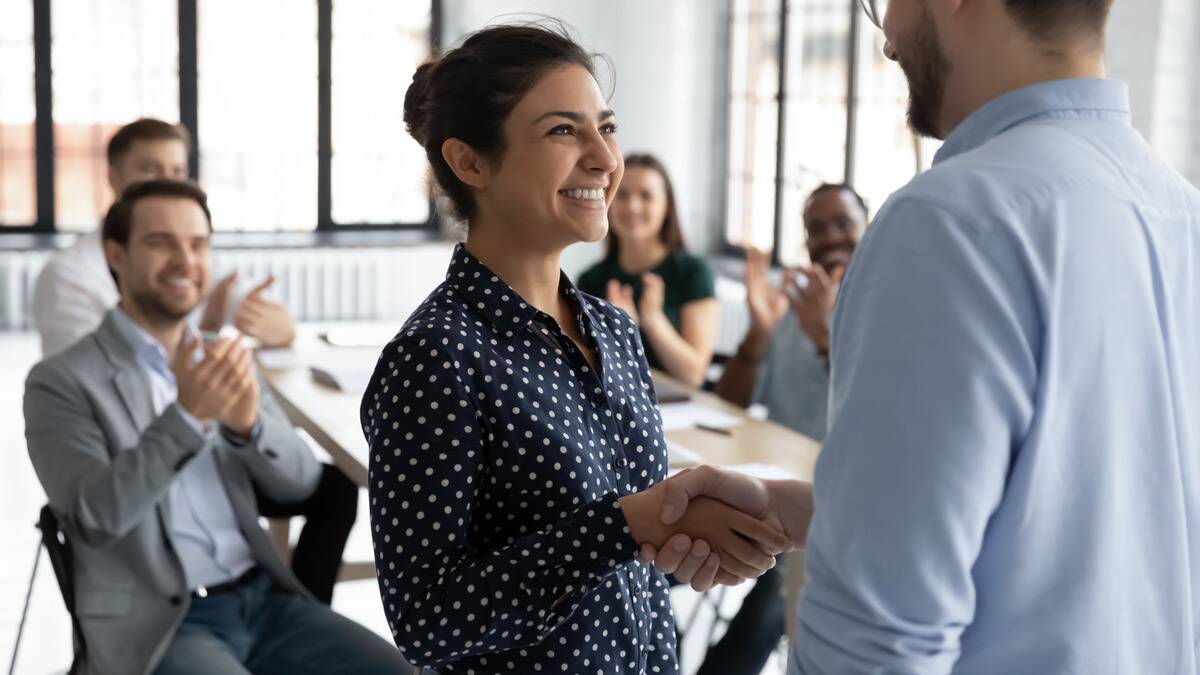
point(841, 187)
point(145, 129)
point(119, 219)
point(1051, 19)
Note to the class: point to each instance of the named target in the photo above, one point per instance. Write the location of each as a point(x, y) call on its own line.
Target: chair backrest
point(58, 549)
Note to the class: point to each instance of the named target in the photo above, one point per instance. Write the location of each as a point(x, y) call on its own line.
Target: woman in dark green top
point(650, 275)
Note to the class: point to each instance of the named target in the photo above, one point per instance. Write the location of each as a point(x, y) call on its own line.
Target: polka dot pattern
point(497, 456)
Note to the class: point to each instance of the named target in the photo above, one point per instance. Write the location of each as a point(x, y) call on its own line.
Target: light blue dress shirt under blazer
point(204, 527)
point(1010, 484)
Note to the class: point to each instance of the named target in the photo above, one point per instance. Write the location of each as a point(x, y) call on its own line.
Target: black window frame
point(45, 221)
point(852, 88)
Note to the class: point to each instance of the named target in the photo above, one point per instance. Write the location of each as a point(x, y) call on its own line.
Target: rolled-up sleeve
point(934, 376)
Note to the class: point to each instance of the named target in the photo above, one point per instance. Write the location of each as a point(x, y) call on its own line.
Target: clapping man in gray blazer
point(149, 444)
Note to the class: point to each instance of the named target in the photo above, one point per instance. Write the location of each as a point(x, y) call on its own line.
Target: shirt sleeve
point(445, 597)
point(67, 304)
point(934, 373)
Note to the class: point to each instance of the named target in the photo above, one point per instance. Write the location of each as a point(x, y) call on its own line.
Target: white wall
point(1152, 46)
point(670, 59)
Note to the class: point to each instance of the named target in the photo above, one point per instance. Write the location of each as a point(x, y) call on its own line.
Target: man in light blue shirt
point(1011, 478)
point(204, 527)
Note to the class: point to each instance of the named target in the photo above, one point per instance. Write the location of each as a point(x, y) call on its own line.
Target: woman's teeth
point(179, 282)
point(595, 194)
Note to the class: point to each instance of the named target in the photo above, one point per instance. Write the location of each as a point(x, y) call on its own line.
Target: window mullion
point(43, 116)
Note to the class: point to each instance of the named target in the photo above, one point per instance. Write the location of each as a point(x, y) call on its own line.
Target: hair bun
point(416, 101)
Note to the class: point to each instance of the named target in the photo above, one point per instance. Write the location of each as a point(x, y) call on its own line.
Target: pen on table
point(716, 430)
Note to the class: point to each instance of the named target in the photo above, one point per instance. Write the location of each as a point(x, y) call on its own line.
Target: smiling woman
point(516, 449)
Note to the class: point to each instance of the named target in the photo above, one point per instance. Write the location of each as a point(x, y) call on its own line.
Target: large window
point(114, 61)
point(18, 193)
point(295, 107)
point(803, 71)
point(378, 169)
point(258, 112)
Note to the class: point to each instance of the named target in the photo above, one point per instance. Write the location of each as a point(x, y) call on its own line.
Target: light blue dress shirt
point(1011, 480)
point(204, 527)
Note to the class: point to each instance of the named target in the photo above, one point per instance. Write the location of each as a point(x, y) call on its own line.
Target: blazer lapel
point(128, 379)
point(135, 394)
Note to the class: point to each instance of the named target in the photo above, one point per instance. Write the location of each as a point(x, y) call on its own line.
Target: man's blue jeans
point(257, 629)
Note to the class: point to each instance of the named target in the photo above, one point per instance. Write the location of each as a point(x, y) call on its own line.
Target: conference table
point(319, 384)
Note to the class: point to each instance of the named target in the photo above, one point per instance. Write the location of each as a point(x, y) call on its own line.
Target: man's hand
point(766, 303)
point(269, 322)
point(217, 308)
point(743, 546)
point(241, 416)
point(786, 504)
point(813, 304)
point(209, 389)
point(620, 296)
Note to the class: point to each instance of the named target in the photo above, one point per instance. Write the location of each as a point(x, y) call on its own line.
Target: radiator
point(326, 284)
point(735, 317)
point(18, 271)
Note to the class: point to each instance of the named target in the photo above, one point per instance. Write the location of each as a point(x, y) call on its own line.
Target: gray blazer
point(107, 462)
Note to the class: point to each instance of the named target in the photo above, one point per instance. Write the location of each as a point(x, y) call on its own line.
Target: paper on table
point(681, 416)
point(276, 359)
point(679, 456)
point(764, 471)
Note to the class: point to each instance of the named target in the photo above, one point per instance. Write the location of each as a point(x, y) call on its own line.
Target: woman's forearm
point(687, 353)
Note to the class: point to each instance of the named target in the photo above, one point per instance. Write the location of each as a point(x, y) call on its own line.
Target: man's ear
point(470, 167)
point(115, 254)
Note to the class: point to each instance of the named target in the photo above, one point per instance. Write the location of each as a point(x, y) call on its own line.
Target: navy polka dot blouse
point(497, 458)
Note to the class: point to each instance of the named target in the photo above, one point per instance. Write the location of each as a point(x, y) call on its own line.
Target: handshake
point(710, 526)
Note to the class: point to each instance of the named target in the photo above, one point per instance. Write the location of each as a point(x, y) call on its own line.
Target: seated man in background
point(783, 363)
point(149, 445)
point(75, 290)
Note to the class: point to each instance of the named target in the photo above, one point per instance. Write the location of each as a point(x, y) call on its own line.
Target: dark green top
point(686, 278)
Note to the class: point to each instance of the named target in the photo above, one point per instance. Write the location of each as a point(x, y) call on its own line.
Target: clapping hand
point(767, 304)
point(268, 321)
point(650, 309)
point(216, 388)
point(813, 303)
point(620, 295)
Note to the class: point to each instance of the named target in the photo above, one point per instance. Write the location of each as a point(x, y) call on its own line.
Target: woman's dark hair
point(671, 234)
point(469, 91)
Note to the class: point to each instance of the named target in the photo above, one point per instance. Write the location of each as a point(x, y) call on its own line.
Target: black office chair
point(59, 550)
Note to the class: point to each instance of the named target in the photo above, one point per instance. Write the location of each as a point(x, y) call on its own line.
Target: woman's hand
point(650, 310)
point(787, 504)
point(744, 545)
point(620, 296)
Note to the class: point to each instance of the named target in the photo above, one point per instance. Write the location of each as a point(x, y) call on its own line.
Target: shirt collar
point(498, 304)
point(1078, 98)
point(147, 349)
